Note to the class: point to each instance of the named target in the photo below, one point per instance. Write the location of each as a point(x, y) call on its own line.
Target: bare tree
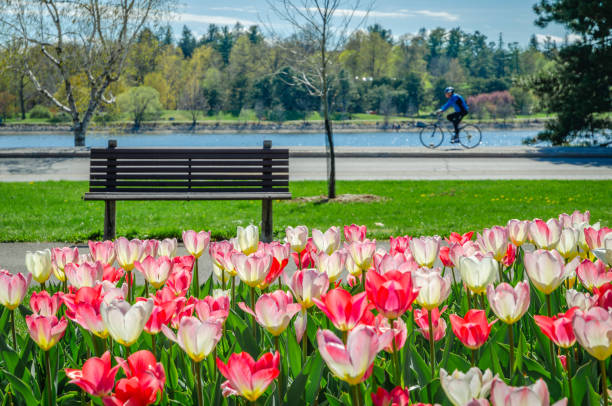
point(193, 99)
point(85, 41)
point(322, 28)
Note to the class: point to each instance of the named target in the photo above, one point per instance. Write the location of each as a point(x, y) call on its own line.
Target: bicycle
point(432, 135)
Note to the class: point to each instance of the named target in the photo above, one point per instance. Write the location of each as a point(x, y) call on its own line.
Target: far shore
point(208, 127)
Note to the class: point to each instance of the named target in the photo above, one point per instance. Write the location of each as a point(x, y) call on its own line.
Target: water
point(490, 138)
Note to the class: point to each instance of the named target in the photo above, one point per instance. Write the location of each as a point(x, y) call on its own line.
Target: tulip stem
point(473, 353)
point(432, 355)
point(304, 346)
point(127, 351)
point(128, 276)
point(396, 365)
point(154, 345)
point(363, 280)
point(222, 278)
point(13, 329)
point(65, 285)
point(280, 375)
point(604, 382)
point(43, 286)
point(48, 373)
point(198, 377)
point(469, 299)
point(280, 284)
point(253, 308)
point(196, 279)
point(550, 343)
point(569, 376)
point(511, 342)
point(233, 290)
point(146, 288)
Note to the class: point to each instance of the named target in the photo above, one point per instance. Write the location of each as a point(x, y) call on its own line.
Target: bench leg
point(266, 220)
point(109, 219)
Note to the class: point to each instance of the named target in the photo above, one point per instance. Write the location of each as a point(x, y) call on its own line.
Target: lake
point(490, 138)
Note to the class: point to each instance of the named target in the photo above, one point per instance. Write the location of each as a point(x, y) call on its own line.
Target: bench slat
point(185, 170)
point(183, 176)
point(193, 163)
point(195, 154)
point(179, 194)
point(155, 183)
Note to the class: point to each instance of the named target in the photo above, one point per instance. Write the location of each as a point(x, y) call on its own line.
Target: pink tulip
point(221, 253)
point(398, 330)
point(576, 217)
point(46, 331)
point(593, 330)
point(60, 257)
point(558, 328)
point(545, 234)
point(280, 259)
point(354, 233)
point(297, 237)
point(252, 269)
point(43, 304)
point(384, 262)
point(510, 256)
point(343, 310)
point(103, 251)
point(327, 242)
point(463, 388)
point(112, 274)
point(197, 338)
point(472, 330)
point(352, 362)
point(399, 244)
point(583, 301)
point(456, 251)
point(155, 270)
point(85, 274)
point(432, 287)
point(595, 238)
point(179, 280)
point(196, 243)
point(546, 269)
point(247, 377)
point(391, 293)
point(495, 241)
point(13, 288)
point(362, 253)
point(593, 275)
point(509, 304)
point(167, 248)
point(214, 307)
point(273, 311)
point(534, 395)
point(83, 307)
point(518, 231)
point(97, 377)
point(421, 318)
point(332, 265)
point(397, 397)
point(128, 252)
point(425, 250)
point(307, 284)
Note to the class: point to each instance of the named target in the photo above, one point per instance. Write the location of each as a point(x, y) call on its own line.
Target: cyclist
point(459, 105)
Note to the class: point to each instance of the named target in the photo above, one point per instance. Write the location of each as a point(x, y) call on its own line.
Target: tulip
point(456, 251)
point(86, 274)
point(509, 304)
point(83, 307)
point(247, 239)
point(280, 259)
point(221, 252)
point(432, 286)
point(103, 251)
point(124, 322)
point(44, 304)
point(112, 274)
point(568, 243)
point(604, 296)
point(97, 377)
point(145, 378)
point(273, 311)
point(510, 256)
point(421, 318)
point(362, 253)
point(461, 388)
point(13, 288)
point(576, 217)
point(445, 257)
point(534, 395)
point(197, 338)
point(155, 270)
point(307, 284)
point(593, 330)
point(425, 250)
point(297, 237)
point(46, 331)
point(196, 242)
point(494, 241)
point(391, 293)
point(547, 270)
point(518, 231)
point(558, 328)
point(215, 307)
point(478, 272)
point(545, 235)
point(399, 244)
point(332, 265)
point(246, 377)
point(179, 280)
point(352, 362)
point(252, 269)
point(397, 397)
point(384, 262)
point(128, 252)
point(39, 265)
point(583, 301)
point(595, 238)
point(167, 247)
point(457, 238)
point(327, 242)
point(397, 328)
point(344, 311)
point(354, 233)
point(605, 254)
point(593, 275)
point(60, 257)
point(305, 259)
point(473, 329)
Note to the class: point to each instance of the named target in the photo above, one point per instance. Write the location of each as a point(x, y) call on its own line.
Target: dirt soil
point(346, 198)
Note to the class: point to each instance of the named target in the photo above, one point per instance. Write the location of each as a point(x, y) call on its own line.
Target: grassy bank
point(54, 211)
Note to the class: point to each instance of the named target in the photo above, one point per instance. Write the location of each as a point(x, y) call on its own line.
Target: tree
point(187, 43)
point(578, 87)
point(142, 103)
point(321, 30)
point(83, 38)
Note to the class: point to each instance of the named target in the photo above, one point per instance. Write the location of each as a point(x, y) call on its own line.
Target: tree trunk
point(79, 131)
point(21, 97)
point(331, 157)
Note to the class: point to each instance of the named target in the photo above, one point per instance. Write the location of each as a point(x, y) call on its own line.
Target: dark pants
point(456, 118)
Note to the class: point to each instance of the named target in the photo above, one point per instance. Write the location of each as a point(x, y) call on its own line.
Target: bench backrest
point(176, 170)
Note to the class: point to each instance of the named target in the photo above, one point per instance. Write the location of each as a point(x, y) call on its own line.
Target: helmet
point(449, 89)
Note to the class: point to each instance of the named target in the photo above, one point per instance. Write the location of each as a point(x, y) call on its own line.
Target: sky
point(513, 18)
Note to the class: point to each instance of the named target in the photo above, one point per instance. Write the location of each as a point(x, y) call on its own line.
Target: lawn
point(54, 211)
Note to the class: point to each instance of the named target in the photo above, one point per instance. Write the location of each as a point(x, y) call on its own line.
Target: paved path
point(370, 164)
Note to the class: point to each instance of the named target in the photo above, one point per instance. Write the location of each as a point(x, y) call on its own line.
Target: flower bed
point(528, 307)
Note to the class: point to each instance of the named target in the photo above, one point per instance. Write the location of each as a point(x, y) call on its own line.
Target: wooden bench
point(188, 174)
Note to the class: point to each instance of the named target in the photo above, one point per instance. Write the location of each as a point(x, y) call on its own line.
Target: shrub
point(493, 105)
point(61, 117)
point(142, 103)
point(39, 111)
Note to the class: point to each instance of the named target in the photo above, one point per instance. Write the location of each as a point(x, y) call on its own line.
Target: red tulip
point(145, 378)
point(391, 293)
point(179, 280)
point(444, 257)
point(83, 307)
point(280, 259)
point(344, 311)
point(97, 377)
point(112, 274)
point(246, 377)
point(558, 328)
point(46, 331)
point(43, 304)
point(473, 329)
point(213, 307)
point(421, 318)
point(510, 256)
point(456, 238)
point(397, 397)
point(399, 244)
point(604, 294)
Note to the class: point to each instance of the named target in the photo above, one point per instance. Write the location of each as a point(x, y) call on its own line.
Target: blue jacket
point(457, 102)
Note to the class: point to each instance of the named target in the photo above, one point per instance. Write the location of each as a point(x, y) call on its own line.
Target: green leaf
point(295, 354)
point(315, 372)
point(593, 396)
point(296, 390)
point(579, 382)
point(22, 388)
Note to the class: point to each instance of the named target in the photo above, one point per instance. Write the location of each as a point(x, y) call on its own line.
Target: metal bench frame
point(188, 174)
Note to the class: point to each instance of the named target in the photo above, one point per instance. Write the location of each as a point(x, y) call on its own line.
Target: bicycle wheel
point(431, 137)
point(470, 136)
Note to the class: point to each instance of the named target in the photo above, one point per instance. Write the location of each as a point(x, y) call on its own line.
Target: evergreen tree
point(187, 43)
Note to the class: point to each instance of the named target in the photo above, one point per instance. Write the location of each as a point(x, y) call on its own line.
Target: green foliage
point(142, 103)
point(39, 111)
point(60, 117)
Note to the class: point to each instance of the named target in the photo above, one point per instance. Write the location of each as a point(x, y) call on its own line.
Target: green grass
point(54, 211)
